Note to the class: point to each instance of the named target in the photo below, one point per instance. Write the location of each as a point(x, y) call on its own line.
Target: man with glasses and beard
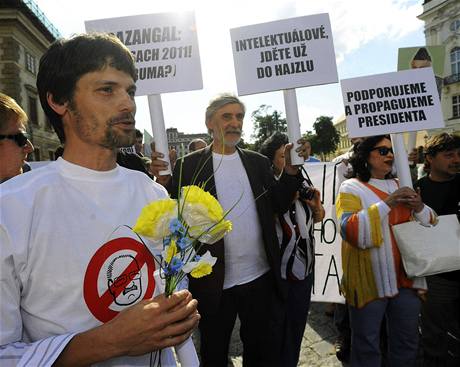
point(59, 227)
point(246, 279)
point(14, 143)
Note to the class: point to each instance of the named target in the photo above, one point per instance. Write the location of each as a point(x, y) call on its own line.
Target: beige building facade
point(25, 34)
point(442, 28)
point(180, 141)
point(344, 145)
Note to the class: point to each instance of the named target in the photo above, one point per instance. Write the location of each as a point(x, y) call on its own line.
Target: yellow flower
point(215, 233)
point(203, 214)
point(201, 270)
point(201, 202)
point(170, 251)
point(153, 222)
point(202, 267)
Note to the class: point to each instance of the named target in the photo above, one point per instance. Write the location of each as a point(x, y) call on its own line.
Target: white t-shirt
point(245, 257)
point(63, 255)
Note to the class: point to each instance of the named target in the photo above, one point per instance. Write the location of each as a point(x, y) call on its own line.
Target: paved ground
point(317, 346)
point(318, 340)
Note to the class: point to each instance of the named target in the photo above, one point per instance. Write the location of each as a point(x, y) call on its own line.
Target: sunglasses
point(20, 138)
point(383, 151)
point(126, 278)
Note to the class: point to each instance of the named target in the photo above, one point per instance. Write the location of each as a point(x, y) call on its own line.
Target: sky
point(367, 35)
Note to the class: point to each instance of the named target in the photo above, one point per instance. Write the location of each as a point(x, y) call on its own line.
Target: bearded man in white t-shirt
point(246, 280)
point(75, 288)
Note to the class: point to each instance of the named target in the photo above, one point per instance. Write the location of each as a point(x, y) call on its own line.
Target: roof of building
point(31, 10)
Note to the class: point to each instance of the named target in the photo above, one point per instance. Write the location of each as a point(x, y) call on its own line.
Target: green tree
point(313, 139)
point(326, 137)
point(243, 145)
point(265, 124)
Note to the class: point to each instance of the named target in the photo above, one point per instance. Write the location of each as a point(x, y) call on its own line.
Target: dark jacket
point(271, 197)
point(132, 161)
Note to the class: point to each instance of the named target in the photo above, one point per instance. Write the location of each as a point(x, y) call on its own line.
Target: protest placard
point(164, 46)
point(328, 259)
point(391, 103)
point(284, 54)
point(422, 57)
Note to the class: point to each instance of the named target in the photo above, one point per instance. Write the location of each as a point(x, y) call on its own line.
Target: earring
point(366, 166)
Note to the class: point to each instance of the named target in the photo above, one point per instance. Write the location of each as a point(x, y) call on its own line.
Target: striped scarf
point(297, 243)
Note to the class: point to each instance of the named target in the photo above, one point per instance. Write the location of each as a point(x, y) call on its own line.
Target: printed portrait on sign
point(125, 287)
point(423, 57)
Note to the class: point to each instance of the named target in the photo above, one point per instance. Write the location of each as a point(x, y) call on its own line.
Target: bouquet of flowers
point(183, 225)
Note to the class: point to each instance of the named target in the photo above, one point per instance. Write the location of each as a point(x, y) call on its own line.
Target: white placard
point(285, 54)
point(379, 104)
point(165, 49)
point(328, 257)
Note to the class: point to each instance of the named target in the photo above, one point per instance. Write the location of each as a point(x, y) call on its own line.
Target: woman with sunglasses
point(374, 281)
point(14, 144)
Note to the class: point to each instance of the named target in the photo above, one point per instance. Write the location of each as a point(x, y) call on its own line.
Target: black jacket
point(272, 197)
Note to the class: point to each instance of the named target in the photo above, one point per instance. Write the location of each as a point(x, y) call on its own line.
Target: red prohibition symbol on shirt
point(118, 275)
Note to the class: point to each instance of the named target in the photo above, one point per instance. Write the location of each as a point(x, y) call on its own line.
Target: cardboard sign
point(328, 257)
point(392, 103)
point(422, 57)
point(290, 53)
point(164, 46)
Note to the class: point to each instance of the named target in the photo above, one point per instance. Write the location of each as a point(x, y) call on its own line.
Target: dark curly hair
point(272, 144)
point(360, 155)
point(440, 143)
point(67, 60)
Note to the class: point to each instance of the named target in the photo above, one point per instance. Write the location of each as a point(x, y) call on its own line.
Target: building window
point(455, 60)
point(456, 106)
point(51, 155)
point(455, 25)
point(33, 115)
point(31, 63)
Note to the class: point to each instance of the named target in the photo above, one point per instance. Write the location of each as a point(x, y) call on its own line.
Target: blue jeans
point(402, 313)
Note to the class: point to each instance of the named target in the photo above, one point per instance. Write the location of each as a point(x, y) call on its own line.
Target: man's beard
point(112, 139)
point(231, 143)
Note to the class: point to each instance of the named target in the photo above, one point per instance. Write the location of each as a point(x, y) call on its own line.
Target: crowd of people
point(75, 292)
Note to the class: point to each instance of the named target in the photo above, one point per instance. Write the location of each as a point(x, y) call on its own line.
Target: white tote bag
point(429, 250)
